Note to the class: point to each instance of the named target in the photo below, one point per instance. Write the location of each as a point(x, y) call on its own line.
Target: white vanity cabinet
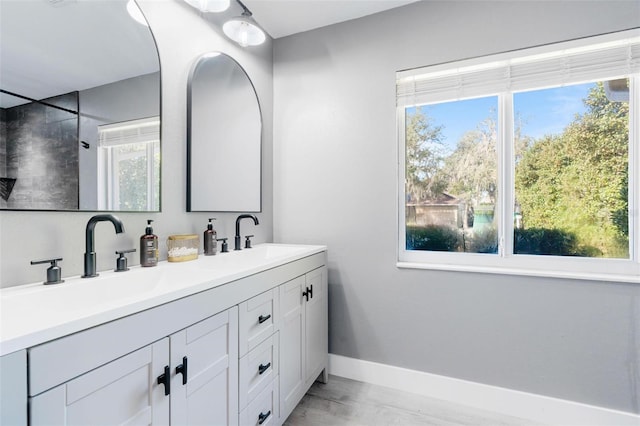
point(303, 336)
point(189, 377)
point(219, 348)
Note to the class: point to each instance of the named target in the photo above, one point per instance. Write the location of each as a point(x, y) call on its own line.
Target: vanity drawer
point(258, 319)
point(257, 370)
point(264, 409)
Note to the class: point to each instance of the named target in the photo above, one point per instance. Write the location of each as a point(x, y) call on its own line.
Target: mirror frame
point(189, 194)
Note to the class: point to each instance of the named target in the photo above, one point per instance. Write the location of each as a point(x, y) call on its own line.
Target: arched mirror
point(79, 107)
point(224, 137)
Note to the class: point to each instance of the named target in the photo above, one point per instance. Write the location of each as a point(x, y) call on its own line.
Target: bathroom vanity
point(236, 338)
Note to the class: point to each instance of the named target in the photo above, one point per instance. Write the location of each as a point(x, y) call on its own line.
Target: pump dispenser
point(149, 247)
point(210, 241)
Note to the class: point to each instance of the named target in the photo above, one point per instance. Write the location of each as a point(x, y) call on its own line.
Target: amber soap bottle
point(149, 247)
point(210, 243)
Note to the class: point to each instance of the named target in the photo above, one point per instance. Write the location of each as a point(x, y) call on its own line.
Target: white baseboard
point(514, 403)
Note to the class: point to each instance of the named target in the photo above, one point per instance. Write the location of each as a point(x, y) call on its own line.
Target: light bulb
point(206, 6)
point(244, 31)
point(135, 12)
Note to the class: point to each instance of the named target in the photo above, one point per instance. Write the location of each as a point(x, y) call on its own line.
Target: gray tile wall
point(3, 150)
point(41, 152)
point(3, 146)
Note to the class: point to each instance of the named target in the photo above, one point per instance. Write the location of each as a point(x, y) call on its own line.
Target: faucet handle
point(121, 262)
point(225, 246)
point(54, 272)
point(247, 242)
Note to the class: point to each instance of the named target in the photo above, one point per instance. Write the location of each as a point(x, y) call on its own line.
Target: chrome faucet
point(243, 216)
point(90, 255)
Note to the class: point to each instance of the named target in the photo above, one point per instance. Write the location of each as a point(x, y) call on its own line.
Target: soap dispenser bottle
point(148, 247)
point(210, 240)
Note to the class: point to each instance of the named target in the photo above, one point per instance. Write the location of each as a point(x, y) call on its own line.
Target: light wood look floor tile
point(351, 403)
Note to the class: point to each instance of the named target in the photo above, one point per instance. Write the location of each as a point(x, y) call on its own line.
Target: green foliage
point(471, 171)
point(576, 183)
point(433, 238)
point(447, 238)
point(424, 157)
point(133, 178)
point(554, 242)
point(483, 241)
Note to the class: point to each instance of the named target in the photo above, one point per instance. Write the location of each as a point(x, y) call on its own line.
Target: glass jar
point(181, 248)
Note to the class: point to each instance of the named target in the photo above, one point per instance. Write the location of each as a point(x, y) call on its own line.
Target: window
point(524, 162)
point(452, 176)
point(129, 165)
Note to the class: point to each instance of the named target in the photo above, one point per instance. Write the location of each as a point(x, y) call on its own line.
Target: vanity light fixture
point(243, 29)
point(206, 6)
point(136, 13)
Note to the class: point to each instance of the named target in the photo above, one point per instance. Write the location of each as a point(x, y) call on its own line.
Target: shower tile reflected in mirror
point(40, 153)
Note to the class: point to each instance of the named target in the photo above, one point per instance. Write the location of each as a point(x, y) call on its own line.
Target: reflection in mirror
point(224, 137)
point(79, 107)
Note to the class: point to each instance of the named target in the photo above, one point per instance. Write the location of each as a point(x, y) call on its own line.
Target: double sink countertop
point(32, 314)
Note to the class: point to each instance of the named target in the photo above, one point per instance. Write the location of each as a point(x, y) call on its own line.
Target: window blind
point(595, 58)
point(129, 132)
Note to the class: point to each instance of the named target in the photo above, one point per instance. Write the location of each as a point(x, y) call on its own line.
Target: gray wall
point(335, 177)
point(182, 35)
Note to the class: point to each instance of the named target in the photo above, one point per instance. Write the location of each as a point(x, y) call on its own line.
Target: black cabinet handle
point(262, 417)
point(263, 367)
point(263, 318)
point(308, 293)
point(165, 379)
point(182, 369)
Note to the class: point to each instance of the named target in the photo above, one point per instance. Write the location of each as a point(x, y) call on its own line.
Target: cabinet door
point(122, 392)
point(316, 333)
point(292, 370)
point(207, 393)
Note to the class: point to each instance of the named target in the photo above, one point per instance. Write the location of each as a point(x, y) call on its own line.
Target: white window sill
point(521, 272)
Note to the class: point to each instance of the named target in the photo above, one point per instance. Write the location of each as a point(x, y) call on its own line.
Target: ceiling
point(51, 47)
point(281, 18)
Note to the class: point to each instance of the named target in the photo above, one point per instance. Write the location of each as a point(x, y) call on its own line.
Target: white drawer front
point(258, 319)
point(257, 370)
point(263, 410)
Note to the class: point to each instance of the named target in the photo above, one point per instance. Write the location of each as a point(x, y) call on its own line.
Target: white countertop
point(35, 313)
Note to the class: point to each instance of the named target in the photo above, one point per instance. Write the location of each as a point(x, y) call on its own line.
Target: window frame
point(505, 261)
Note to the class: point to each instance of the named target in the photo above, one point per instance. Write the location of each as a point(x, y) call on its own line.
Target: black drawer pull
point(182, 369)
point(263, 417)
point(263, 367)
point(165, 379)
point(263, 318)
